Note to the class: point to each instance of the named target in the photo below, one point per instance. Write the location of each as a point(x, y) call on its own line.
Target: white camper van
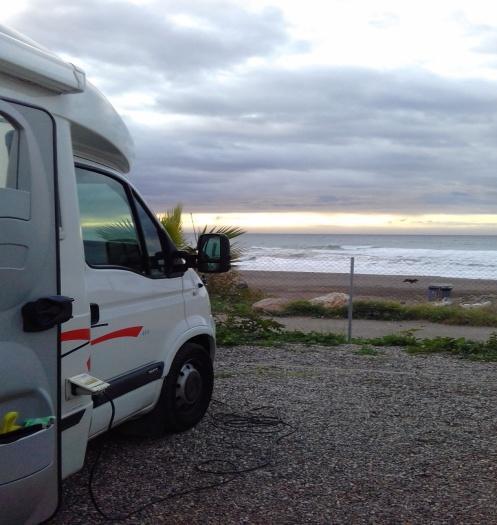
point(94, 296)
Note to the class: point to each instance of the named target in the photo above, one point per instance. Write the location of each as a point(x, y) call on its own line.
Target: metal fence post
point(351, 298)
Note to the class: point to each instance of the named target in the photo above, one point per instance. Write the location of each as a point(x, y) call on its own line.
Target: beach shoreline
point(306, 285)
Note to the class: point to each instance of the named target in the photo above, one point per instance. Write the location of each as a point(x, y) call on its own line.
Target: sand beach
point(305, 285)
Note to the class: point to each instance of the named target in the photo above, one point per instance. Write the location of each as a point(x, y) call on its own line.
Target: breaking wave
point(373, 260)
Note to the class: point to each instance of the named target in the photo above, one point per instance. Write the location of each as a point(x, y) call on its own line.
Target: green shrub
point(465, 348)
point(313, 338)
point(229, 294)
point(367, 350)
point(459, 346)
point(384, 310)
point(404, 338)
point(491, 344)
point(247, 328)
point(305, 308)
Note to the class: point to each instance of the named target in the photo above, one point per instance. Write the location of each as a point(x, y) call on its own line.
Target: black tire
point(171, 414)
point(180, 415)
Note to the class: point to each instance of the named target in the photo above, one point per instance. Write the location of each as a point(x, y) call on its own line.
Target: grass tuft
point(404, 338)
point(368, 351)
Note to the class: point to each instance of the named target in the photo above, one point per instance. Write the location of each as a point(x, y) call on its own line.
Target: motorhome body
point(91, 284)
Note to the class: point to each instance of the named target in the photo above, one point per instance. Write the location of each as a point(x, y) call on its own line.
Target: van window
point(9, 145)
point(153, 244)
point(109, 232)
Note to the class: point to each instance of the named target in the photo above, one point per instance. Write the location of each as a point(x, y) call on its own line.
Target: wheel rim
point(189, 386)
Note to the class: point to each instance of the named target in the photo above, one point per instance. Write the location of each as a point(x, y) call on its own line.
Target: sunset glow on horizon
point(311, 222)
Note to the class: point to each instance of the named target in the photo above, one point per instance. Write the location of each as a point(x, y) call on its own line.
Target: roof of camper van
point(98, 132)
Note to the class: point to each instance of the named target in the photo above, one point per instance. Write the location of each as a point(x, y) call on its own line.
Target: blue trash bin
point(439, 292)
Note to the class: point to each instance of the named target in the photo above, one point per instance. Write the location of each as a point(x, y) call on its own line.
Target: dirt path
point(365, 328)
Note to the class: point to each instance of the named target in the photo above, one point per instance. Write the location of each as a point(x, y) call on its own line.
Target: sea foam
point(373, 260)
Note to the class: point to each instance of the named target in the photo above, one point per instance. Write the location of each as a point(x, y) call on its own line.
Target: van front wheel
point(187, 390)
point(184, 398)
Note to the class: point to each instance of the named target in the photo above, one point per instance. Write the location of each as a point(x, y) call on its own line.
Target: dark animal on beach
point(410, 281)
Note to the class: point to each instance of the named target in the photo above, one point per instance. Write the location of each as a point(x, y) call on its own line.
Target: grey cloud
point(133, 36)
point(375, 141)
point(330, 91)
point(267, 138)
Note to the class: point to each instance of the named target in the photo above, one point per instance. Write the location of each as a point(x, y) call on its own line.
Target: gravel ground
point(390, 438)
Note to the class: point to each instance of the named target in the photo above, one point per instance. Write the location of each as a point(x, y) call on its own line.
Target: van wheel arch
point(206, 342)
point(183, 401)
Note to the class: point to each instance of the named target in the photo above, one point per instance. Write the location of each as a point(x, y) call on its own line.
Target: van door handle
point(94, 313)
point(46, 312)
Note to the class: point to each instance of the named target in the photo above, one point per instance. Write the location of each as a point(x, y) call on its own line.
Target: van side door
point(141, 306)
point(29, 345)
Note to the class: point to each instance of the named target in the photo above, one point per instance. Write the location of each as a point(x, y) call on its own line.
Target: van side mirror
point(213, 253)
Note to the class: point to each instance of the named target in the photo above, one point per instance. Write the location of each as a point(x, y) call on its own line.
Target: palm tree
point(171, 221)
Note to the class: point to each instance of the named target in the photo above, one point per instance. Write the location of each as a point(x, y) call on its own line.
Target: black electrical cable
point(93, 468)
point(251, 422)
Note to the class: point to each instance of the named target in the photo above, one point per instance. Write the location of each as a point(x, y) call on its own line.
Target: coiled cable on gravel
point(255, 421)
point(262, 422)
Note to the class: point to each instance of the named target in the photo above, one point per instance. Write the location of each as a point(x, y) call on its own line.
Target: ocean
point(466, 256)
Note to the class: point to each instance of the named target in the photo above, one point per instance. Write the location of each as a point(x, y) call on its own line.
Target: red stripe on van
point(132, 331)
point(81, 334)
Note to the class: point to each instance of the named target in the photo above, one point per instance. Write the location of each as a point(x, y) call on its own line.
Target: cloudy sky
point(331, 115)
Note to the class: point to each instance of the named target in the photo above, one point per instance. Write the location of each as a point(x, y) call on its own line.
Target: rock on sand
point(331, 300)
point(483, 304)
point(271, 304)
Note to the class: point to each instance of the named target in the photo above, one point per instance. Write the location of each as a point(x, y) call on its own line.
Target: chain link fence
point(434, 293)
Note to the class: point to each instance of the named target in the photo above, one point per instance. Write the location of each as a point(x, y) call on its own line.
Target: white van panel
point(128, 405)
point(26, 60)
point(29, 341)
